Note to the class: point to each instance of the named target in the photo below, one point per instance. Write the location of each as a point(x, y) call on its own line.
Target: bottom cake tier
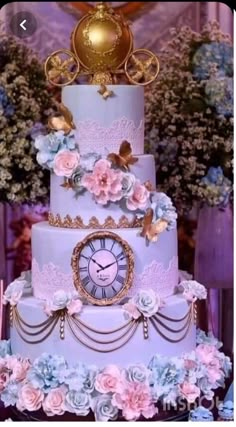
point(103, 335)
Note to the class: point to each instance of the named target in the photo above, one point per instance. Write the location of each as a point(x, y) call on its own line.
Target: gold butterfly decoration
point(67, 184)
point(105, 92)
point(60, 68)
point(62, 122)
point(152, 230)
point(125, 158)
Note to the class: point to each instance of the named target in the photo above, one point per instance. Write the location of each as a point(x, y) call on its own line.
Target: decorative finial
point(102, 49)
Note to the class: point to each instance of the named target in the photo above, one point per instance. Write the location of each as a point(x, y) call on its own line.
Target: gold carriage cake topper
point(102, 49)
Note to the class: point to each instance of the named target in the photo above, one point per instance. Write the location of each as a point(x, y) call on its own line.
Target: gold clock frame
point(129, 276)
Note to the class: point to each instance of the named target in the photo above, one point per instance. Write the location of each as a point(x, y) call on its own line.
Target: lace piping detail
point(50, 279)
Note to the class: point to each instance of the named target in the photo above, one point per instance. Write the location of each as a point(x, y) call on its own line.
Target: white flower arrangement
point(62, 300)
point(192, 290)
point(14, 291)
point(145, 303)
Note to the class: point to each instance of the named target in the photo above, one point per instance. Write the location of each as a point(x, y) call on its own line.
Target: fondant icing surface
point(101, 125)
point(155, 264)
point(137, 349)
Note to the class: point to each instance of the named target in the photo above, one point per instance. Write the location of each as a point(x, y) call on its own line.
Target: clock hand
point(106, 266)
point(99, 265)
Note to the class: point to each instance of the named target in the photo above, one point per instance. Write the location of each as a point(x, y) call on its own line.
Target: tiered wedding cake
point(103, 295)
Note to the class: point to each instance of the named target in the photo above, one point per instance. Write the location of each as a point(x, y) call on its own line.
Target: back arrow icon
point(22, 25)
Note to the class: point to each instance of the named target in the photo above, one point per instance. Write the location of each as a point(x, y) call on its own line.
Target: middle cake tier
point(65, 206)
point(154, 265)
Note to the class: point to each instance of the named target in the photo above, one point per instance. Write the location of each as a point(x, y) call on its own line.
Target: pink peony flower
point(19, 369)
point(104, 183)
point(30, 398)
point(109, 380)
point(139, 198)
point(54, 402)
point(206, 353)
point(65, 163)
point(135, 400)
point(189, 391)
point(132, 310)
point(74, 307)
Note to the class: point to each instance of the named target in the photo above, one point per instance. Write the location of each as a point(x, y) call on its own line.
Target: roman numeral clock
point(103, 267)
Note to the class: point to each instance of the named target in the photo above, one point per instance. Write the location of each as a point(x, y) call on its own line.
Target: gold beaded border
point(77, 222)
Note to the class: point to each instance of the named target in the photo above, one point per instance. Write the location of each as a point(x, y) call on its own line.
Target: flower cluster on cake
point(104, 283)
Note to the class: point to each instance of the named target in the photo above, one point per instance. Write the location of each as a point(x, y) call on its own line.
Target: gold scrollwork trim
point(77, 222)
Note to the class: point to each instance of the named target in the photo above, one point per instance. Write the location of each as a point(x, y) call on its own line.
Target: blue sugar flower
point(81, 378)
point(49, 145)
point(214, 176)
point(219, 54)
point(5, 348)
point(9, 396)
point(226, 410)
point(78, 402)
point(163, 209)
point(167, 373)
point(47, 372)
point(5, 104)
point(201, 414)
point(203, 338)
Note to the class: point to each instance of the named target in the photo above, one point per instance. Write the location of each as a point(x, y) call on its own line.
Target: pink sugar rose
point(139, 197)
point(189, 391)
point(20, 369)
point(135, 400)
point(30, 398)
point(65, 163)
point(109, 380)
point(74, 307)
point(54, 402)
point(104, 183)
point(132, 310)
point(206, 353)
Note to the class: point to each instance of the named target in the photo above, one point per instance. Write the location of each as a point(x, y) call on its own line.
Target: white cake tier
point(63, 202)
point(101, 124)
point(103, 319)
point(155, 265)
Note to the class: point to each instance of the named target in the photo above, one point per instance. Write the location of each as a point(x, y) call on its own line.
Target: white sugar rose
point(60, 300)
point(14, 292)
point(192, 290)
point(128, 183)
point(147, 302)
point(104, 409)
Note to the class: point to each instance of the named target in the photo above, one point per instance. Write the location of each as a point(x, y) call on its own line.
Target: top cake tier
point(101, 125)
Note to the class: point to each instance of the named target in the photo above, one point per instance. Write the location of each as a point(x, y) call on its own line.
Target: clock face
point(103, 267)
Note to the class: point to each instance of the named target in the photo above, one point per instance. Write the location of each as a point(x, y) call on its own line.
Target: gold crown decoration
point(102, 49)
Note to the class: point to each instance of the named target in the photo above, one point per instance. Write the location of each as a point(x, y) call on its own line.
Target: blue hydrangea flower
point(216, 186)
point(78, 402)
point(203, 338)
point(201, 414)
point(49, 145)
point(80, 378)
point(166, 374)
point(5, 104)
point(219, 94)
point(9, 396)
point(213, 53)
point(46, 372)
point(163, 209)
point(226, 410)
point(5, 348)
